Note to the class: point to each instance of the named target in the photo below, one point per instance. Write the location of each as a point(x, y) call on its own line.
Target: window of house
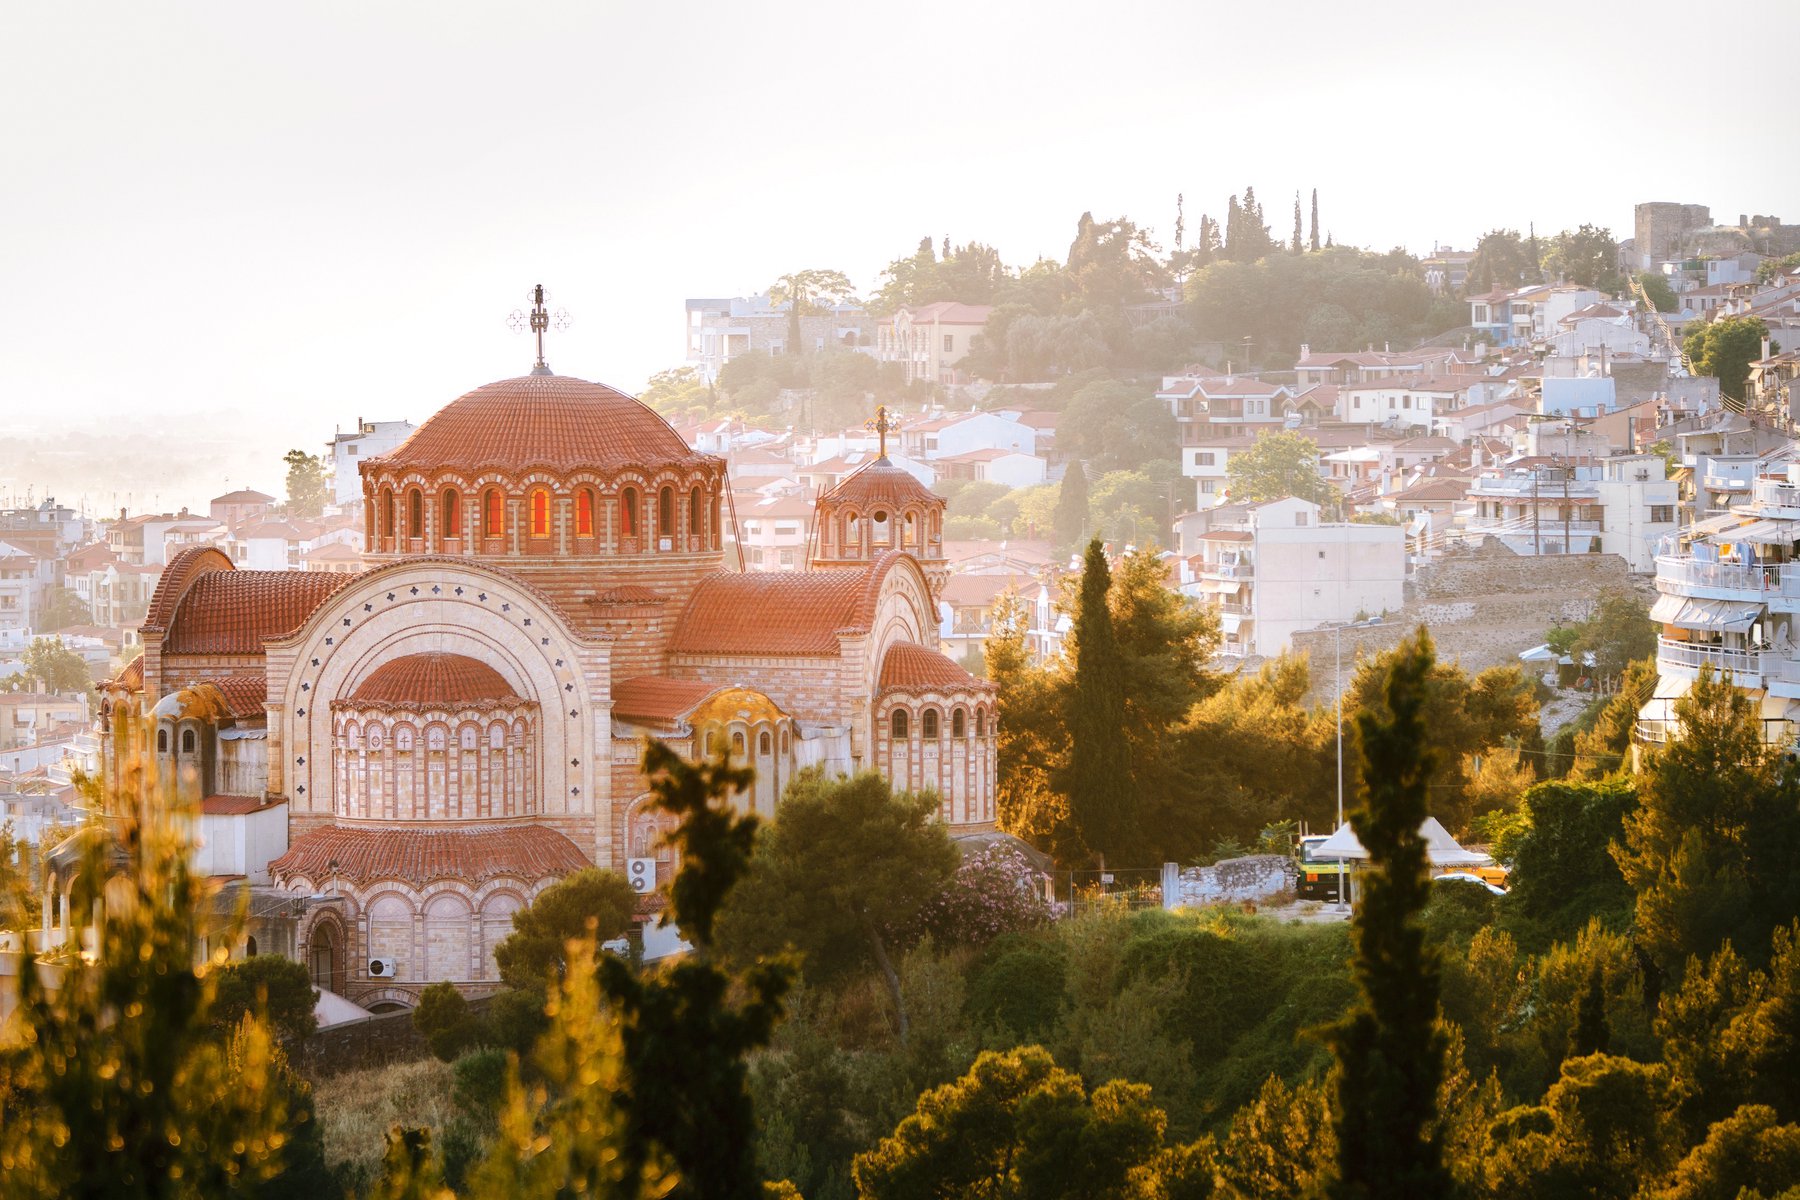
point(584, 512)
point(1205, 458)
point(898, 724)
point(1300, 518)
point(540, 513)
point(665, 513)
point(1662, 514)
point(928, 725)
point(787, 557)
point(696, 513)
point(765, 745)
point(959, 723)
point(981, 722)
point(737, 743)
point(387, 513)
point(1406, 402)
point(415, 513)
point(949, 343)
point(1207, 486)
point(452, 521)
point(187, 741)
point(162, 741)
point(1356, 402)
point(628, 511)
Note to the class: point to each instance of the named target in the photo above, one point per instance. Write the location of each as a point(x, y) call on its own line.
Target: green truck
point(1317, 878)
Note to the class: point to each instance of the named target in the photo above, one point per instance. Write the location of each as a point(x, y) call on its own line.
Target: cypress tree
point(1315, 219)
point(1101, 804)
point(1389, 1051)
point(1234, 231)
point(1592, 1034)
point(1070, 517)
point(1294, 245)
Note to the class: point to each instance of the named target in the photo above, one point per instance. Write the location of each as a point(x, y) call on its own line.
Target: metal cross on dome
point(883, 423)
point(538, 320)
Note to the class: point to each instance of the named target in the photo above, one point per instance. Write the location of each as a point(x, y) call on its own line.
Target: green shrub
point(444, 1018)
point(1020, 988)
point(481, 1081)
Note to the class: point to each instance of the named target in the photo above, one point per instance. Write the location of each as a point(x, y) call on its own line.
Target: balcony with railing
point(1776, 494)
point(1228, 570)
point(1683, 576)
point(1746, 666)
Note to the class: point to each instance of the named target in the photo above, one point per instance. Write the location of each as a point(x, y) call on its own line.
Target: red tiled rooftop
point(548, 421)
point(233, 612)
point(910, 667)
point(244, 695)
point(231, 806)
point(420, 854)
point(881, 483)
point(434, 681)
point(628, 593)
point(131, 677)
point(180, 569)
point(658, 700)
point(779, 613)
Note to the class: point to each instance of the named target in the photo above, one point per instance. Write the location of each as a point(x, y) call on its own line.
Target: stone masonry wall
point(1482, 606)
point(1232, 881)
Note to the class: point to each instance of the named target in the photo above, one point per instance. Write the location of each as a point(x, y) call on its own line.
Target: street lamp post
point(1337, 637)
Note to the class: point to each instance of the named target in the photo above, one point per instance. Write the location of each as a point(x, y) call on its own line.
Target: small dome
point(880, 484)
point(551, 422)
point(434, 681)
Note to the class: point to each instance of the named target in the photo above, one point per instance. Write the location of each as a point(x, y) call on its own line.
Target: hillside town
point(975, 701)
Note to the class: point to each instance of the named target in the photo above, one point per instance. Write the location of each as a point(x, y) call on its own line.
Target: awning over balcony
point(1716, 524)
point(1225, 587)
point(1230, 622)
point(1764, 533)
point(1717, 616)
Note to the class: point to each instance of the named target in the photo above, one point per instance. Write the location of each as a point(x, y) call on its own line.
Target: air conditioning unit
point(381, 968)
point(641, 873)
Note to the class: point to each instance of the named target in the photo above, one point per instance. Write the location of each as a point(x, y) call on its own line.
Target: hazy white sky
point(300, 214)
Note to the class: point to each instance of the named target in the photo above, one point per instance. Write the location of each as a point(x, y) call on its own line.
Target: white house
point(1009, 467)
point(347, 450)
point(1274, 569)
point(1639, 508)
point(963, 433)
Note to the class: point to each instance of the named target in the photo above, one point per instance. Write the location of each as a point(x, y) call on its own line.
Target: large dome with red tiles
point(548, 422)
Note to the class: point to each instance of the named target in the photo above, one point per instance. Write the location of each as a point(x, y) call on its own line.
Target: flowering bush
point(995, 890)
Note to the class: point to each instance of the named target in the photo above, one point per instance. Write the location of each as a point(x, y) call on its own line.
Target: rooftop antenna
point(538, 320)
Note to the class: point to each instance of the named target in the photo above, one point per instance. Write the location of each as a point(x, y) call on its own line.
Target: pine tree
point(1294, 245)
point(1390, 1049)
point(1315, 219)
point(1070, 519)
point(1234, 231)
point(1100, 805)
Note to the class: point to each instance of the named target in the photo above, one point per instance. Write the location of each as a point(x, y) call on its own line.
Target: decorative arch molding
point(901, 610)
point(452, 606)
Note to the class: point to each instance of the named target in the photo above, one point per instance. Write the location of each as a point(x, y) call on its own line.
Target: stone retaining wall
point(1232, 881)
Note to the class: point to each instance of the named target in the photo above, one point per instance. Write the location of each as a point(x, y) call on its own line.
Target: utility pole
point(1536, 543)
point(1568, 548)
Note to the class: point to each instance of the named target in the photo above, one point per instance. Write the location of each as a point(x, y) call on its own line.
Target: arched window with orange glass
point(540, 512)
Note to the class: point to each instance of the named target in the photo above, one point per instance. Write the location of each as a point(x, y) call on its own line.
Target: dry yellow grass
point(357, 1108)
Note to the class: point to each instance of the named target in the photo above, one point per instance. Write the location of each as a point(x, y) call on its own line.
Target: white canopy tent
point(1441, 850)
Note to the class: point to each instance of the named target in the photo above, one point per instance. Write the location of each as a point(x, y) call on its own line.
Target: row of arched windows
point(930, 724)
point(397, 522)
point(857, 534)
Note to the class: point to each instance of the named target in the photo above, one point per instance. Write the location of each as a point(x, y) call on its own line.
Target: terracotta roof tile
point(175, 577)
point(232, 612)
point(772, 612)
point(910, 667)
point(434, 681)
point(658, 700)
point(881, 482)
point(548, 421)
point(130, 678)
point(244, 695)
point(628, 593)
point(231, 806)
point(421, 854)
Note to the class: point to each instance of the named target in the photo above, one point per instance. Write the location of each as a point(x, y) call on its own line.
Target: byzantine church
point(433, 741)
